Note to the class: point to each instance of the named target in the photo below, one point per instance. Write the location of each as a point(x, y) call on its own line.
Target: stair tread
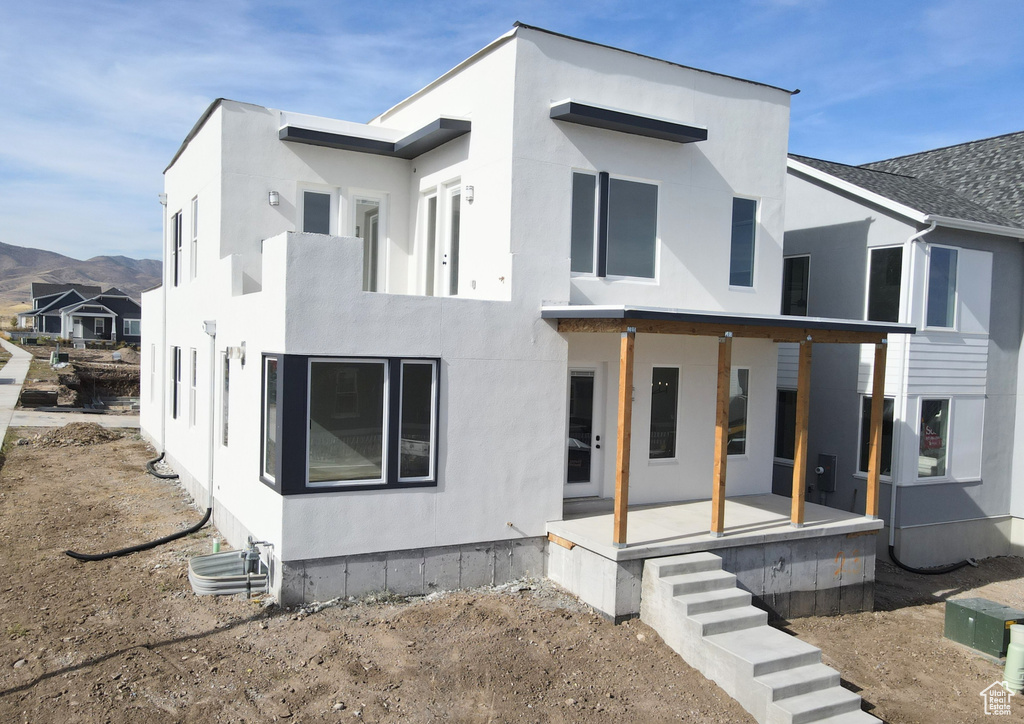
point(809, 672)
point(850, 717)
point(699, 596)
point(728, 613)
point(762, 644)
point(817, 699)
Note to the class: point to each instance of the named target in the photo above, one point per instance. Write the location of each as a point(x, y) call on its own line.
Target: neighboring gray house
point(939, 250)
point(81, 312)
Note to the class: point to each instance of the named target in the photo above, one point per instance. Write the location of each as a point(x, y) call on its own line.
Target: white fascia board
point(870, 196)
point(979, 226)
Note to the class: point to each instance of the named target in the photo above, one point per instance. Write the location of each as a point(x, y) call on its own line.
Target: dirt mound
point(78, 434)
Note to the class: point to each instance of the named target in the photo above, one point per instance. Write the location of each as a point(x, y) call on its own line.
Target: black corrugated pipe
point(153, 471)
point(141, 546)
point(931, 571)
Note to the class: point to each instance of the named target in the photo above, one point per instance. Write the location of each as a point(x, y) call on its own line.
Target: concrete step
point(683, 583)
point(689, 563)
point(853, 717)
point(705, 601)
point(801, 680)
point(764, 650)
point(730, 619)
point(813, 706)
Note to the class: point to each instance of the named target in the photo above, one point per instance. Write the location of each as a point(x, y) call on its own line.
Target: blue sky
point(95, 96)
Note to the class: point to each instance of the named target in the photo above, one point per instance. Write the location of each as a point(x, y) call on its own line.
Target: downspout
point(210, 327)
point(909, 247)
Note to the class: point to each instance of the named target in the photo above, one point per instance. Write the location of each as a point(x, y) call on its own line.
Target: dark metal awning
point(597, 117)
point(431, 136)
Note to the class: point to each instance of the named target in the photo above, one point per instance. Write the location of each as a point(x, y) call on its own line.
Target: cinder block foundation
point(411, 572)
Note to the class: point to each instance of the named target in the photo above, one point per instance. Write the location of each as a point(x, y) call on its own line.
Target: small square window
point(316, 212)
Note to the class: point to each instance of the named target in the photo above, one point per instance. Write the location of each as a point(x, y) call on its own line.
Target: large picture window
point(664, 407)
point(884, 272)
point(941, 306)
point(371, 421)
point(934, 439)
point(739, 382)
point(741, 257)
point(888, 406)
point(621, 238)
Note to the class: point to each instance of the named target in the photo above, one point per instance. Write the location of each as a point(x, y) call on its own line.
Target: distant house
point(930, 240)
point(83, 312)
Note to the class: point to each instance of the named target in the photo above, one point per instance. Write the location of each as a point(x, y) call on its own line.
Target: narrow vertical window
point(738, 389)
point(888, 407)
point(785, 424)
point(193, 252)
point(175, 381)
point(270, 417)
point(584, 200)
point(193, 378)
point(796, 272)
point(316, 212)
point(664, 406)
point(884, 272)
point(741, 258)
point(367, 228)
point(416, 423)
point(225, 365)
point(941, 307)
point(934, 441)
point(431, 232)
point(176, 232)
point(152, 371)
point(454, 229)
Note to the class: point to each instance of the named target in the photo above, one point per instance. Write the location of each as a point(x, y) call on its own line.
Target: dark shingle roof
point(920, 195)
point(989, 171)
point(43, 289)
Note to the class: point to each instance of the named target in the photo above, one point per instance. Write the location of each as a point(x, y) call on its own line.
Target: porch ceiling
point(778, 328)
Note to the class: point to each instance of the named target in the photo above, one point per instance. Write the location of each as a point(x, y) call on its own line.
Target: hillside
point(20, 266)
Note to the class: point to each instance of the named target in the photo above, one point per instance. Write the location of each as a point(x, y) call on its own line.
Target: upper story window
point(741, 257)
point(193, 255)
point(796, 271)
point(614, 226)
point(941, 304)
point(885, 268)
point(176, 233)
point(316, 212)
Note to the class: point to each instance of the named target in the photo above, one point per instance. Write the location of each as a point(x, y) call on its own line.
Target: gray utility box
point(981, 624)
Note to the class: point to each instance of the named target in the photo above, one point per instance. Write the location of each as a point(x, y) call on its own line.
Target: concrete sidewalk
point(43, 418)
point(12, 377)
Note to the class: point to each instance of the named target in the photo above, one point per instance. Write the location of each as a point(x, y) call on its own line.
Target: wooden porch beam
point(803, 399)
point(721, 436)
point(875, 451)
point(625, 434)
point(705, 329)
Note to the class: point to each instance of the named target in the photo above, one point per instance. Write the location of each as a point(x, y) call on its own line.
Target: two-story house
point(399, 351)
point(889, 245)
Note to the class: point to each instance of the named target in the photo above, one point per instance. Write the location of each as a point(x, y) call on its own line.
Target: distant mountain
point(20, 266)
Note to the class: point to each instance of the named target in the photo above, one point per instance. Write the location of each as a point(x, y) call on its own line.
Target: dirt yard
point(125, 640)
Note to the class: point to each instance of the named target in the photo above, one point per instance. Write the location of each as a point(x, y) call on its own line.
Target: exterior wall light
point(469, 194)
point(274, 198)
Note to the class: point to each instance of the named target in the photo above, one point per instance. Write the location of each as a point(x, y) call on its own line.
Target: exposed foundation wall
point(936, 544)
point(411, 572)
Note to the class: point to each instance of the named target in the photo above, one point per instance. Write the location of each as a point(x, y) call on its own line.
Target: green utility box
point(981, 624)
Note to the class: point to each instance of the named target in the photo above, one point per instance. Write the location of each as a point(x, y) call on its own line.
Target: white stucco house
point(400, 350)
point(931, 240)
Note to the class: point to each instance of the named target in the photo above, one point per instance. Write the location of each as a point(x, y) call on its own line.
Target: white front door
point(443, 226)
point(77, 327)
point(585, 440)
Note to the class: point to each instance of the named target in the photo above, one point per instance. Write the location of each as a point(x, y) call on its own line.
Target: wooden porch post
point(721, 436)
point(625, 433)
point(803, 399)
point(875, 451)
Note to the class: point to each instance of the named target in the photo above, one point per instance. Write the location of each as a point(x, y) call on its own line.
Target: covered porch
point(606, 548)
